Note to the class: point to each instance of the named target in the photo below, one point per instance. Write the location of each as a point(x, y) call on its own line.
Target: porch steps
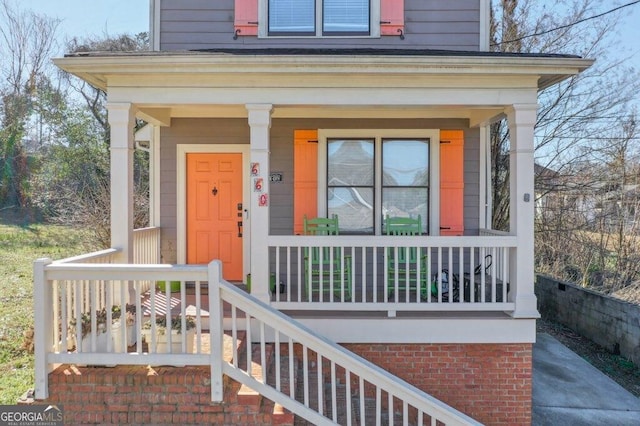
point(277, 414)
point(341, 409)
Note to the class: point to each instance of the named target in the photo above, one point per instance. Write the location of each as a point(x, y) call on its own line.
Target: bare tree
point(586, 202)
point(572, 112)
point(27, 41)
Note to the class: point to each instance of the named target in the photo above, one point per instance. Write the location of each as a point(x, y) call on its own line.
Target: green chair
point(326, 270)
point(405, 270)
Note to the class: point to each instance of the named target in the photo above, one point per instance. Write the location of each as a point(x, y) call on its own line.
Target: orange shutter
point(391, 17)
point(305, 177)
point(451, 182)
point(246, 17)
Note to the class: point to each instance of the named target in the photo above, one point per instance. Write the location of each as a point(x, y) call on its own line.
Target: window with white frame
point(319, 17)
point(369, 178)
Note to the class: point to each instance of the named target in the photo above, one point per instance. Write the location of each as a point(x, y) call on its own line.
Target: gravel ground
point(618, 368)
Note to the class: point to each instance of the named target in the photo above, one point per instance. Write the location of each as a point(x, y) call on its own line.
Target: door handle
point(239, 229)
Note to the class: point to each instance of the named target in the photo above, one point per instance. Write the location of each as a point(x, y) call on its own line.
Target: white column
point(260, 124)
point(521, 120)
point(154, 177)
point(121, 120)
point(43, 302)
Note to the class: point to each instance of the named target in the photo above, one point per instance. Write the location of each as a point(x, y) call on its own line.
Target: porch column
point(521, 120)
point(121, 120)
point(260, 124)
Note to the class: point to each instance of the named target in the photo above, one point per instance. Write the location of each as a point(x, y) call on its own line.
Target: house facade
point(265, 112)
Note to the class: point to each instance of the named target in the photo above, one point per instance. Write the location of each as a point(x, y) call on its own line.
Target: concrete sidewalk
point(568, 391)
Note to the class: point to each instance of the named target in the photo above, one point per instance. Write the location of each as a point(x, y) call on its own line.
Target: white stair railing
point(336, 385)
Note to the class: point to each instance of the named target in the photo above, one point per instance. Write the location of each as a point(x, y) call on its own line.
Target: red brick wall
point(489, 382)
point(145, 395)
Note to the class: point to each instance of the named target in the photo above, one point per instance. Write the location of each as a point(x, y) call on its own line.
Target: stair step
point(246, 395)
point(280, 415)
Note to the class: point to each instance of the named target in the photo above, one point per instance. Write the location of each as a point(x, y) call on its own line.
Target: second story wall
point(428, 24)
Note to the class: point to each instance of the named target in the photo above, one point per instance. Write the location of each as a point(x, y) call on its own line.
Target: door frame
point(181, 196)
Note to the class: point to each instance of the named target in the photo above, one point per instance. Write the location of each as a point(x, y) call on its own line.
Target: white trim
point(440, 329)
point(154, 25)
point(434, 167)
point(181, 196)
point(485, 25)
point(374, 23)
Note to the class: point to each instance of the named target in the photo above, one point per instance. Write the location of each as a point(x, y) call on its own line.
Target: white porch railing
point(485, 232)
point(456, 273)
point(76, 321)
point(375, 392)
point(146, 246)
point(337, 385)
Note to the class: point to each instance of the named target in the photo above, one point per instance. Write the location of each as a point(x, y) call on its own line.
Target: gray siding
point(236, 131)
point(429, 24)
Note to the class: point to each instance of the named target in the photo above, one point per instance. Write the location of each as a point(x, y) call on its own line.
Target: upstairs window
point(319, 17)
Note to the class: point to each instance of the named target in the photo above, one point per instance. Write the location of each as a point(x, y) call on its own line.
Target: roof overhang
point(103, 70)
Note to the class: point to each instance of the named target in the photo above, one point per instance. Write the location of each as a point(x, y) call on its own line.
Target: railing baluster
point(461, 272)
point(198, 318)
point(472, 267)
point(378, 406)
point(439, 272)
point(234, 335)
point(483, 278)
point(334, 393)
point(374, 266)
point(320, 384)
point(278, 371)
point(305, 375)
point(363, 413)
point(292, 388)
point(263, 353)
point(59, 291)
point(277, 293)
point(347, 402)
point(288, 275)
point(249, 344)
point(390, 408)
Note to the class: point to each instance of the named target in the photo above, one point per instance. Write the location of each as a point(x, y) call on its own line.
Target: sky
point(81, 18)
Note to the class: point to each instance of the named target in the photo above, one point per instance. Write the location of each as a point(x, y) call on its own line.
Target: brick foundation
point(146, 395)
point(490, 382)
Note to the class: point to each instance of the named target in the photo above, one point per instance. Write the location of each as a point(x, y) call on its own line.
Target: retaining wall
point(612, 323)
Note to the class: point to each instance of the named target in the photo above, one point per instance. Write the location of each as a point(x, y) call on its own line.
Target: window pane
point(292, 16)
point(406, 202)
point(346, 16)
point(350, 162)
point(354, 207)
point(405, 162)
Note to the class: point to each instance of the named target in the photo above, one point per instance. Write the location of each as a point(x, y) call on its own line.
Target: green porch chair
point(326, 270)
point(407, 266)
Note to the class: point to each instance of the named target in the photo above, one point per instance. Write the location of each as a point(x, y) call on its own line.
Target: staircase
point(315, 379)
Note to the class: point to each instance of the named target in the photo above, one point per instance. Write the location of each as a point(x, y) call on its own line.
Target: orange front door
point(214, 211)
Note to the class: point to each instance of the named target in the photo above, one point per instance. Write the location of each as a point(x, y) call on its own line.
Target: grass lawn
point(19, 247)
